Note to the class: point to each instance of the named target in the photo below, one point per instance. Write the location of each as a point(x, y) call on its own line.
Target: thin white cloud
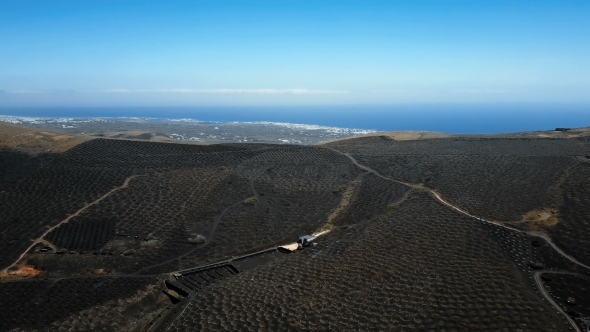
point(193, 91)
point(25, 91)
point(481, 91)
point(391, 91)
point(457, 91)
point(227, 91)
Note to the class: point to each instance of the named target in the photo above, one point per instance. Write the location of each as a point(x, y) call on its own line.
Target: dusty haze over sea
point(447, 118)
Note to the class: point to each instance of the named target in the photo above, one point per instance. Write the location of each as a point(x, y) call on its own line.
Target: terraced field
point(453, 234)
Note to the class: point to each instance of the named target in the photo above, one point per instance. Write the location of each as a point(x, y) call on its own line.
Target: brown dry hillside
point(33, 140)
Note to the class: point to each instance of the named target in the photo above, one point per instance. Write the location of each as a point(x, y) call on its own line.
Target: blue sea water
point(447, 118)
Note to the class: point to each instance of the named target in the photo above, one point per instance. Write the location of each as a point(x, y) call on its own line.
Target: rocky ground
point(426, 232)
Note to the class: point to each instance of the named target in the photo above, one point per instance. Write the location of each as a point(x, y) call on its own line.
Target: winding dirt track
point(40, 239)
point(438, 197)
point(537, 274)
point(434, 194)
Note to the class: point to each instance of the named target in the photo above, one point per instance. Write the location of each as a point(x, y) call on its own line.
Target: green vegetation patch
point(392, 207)
point(251, 201)
point(340, 189)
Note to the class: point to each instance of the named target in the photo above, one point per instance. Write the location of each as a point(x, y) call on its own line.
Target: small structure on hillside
point(305, 240)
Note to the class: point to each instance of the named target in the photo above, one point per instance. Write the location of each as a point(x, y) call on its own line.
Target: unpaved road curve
point(537, 234)
point(537, 276)
point(75, 214)
point(548, 239)
point(438, 197)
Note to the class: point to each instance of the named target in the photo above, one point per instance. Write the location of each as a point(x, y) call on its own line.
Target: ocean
point(446, 118)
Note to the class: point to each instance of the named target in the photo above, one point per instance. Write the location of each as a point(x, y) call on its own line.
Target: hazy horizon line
point(318, 105)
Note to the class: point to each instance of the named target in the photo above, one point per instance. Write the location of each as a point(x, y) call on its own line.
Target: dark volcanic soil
point(108, 220)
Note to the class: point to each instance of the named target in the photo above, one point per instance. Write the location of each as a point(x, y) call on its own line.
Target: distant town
point(189, 130)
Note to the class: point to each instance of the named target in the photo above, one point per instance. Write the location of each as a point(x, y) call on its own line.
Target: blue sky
point(156, 53)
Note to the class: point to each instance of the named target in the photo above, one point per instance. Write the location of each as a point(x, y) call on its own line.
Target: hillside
point(426, 232)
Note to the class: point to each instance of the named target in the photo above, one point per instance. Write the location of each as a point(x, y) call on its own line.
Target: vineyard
point(457, 233)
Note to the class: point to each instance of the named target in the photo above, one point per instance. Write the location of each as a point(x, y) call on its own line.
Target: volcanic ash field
point(444, 234)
